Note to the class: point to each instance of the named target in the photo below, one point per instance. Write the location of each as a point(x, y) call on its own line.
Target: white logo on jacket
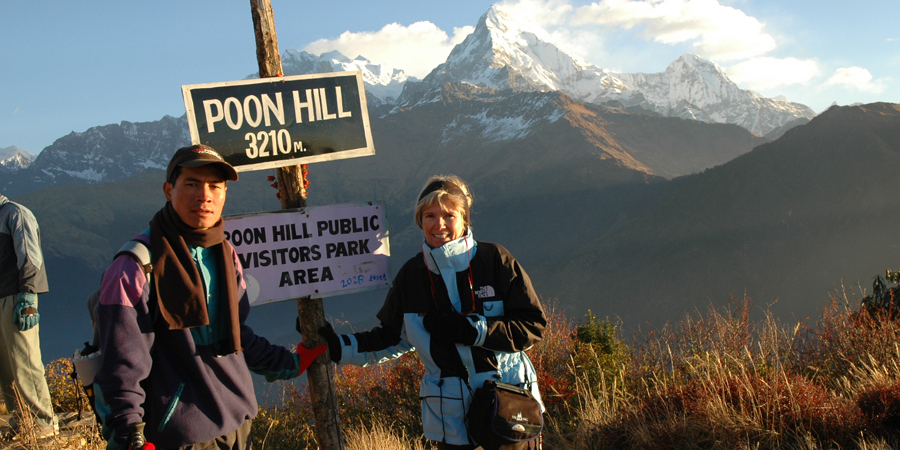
point(485, 292)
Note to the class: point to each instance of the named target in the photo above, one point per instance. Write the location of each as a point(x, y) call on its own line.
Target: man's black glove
point(132, 439)
point(334, 342)
point(137, 439)
point(450, 327)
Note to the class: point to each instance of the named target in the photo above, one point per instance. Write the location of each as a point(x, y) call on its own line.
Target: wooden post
point(320, 373)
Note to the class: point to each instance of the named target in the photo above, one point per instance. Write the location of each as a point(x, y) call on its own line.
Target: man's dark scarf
point(177, 284)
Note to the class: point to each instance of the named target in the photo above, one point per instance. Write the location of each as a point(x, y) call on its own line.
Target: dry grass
point(721, 381)
point(78, 430)
point(714, 380)
point(27, 433)
point(379, 436)
point(74, 434)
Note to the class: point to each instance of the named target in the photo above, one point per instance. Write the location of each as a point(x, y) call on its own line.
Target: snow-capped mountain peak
point(383, 82)
point(518, 40)
point(695, 88)
point(699, 81)
point(14, 158)
point(507, 51)
point(688, 79)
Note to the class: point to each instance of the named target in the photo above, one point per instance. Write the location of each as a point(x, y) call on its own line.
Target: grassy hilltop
point(715, 379)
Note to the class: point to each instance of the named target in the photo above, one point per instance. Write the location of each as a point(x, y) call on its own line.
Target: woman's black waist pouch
point(504, 416)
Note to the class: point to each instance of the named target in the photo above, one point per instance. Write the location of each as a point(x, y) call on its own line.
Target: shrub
point(882, 406)
point(390, 388)
point(66, 392)
point(287, 426)
point(599, 354)
point(728, 409)
point(884, 299)
point(842, 340)
point(551, 358)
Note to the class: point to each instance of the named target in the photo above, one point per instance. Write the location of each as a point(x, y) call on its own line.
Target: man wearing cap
point(177, 354)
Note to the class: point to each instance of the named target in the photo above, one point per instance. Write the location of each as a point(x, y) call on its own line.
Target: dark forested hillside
point(785, 224)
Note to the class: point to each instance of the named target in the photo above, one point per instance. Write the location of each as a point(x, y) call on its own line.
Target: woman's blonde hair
point(445, 187)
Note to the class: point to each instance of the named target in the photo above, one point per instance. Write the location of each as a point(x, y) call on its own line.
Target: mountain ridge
point(102, 154)
point(545, 144)
point(784, 224)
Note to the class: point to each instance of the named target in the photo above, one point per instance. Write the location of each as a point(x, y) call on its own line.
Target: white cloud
point(855, 77)
point(416, 49)
point(717, 31)
point(765, 73)
point(583, 43)
point(544, 13)
point(555, 16)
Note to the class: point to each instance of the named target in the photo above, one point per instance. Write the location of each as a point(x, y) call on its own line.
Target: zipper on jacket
point(171, 409)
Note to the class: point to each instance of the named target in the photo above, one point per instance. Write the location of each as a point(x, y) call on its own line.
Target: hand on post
point(308, 355)
point(327, 332)
point(334, 342)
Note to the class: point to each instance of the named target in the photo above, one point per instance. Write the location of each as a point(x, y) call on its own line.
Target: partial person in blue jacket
point(22, 277)
point(177, 354)
point(467, 307)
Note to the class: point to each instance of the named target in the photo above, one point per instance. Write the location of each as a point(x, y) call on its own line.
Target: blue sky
point(68, 66)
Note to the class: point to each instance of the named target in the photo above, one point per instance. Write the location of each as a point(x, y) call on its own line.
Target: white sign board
point(313, 252)
point(284, 121)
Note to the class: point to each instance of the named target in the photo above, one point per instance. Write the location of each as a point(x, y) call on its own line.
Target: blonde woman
point(466, 306)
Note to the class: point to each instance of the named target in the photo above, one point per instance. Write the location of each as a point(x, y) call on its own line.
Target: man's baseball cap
point(196, 156)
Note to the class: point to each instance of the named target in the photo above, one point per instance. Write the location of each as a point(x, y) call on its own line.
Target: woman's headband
point(450, 188)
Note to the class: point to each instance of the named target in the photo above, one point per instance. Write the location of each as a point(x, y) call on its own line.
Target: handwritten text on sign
point(313, 252)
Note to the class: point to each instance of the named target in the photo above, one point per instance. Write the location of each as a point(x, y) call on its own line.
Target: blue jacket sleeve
point(275, 362)
point(264, 358)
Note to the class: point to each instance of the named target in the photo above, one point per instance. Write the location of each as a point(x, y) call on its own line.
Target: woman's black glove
point(450, 327)
point(334, 342)
point(332, 339)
